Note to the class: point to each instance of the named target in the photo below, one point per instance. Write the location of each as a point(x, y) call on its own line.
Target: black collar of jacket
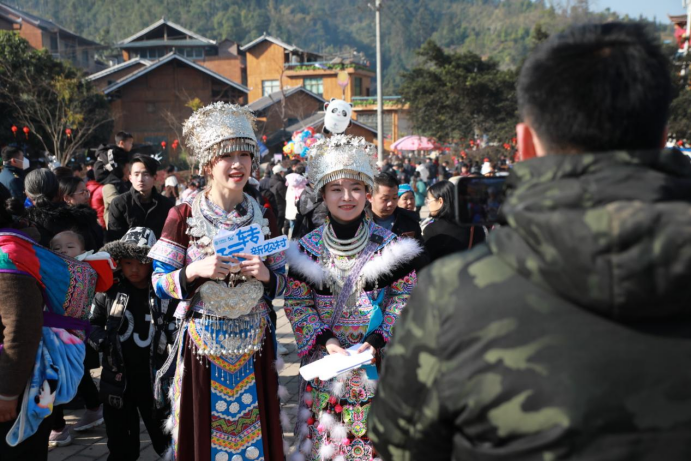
point(137, 197)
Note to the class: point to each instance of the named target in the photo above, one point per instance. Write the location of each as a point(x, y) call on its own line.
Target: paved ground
point(91, 445)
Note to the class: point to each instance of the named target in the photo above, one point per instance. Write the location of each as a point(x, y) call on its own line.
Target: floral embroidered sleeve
point(299, 306)
point(394, 302)
point(168, 255)
point(166, 281)
point(276, 264)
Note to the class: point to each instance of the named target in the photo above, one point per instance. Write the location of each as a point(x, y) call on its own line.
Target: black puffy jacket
point(127, 211)
point(54, 218)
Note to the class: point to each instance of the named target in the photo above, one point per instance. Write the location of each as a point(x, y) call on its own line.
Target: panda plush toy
point(337, 116)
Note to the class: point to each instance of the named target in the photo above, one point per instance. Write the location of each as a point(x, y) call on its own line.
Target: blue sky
point(648, 8)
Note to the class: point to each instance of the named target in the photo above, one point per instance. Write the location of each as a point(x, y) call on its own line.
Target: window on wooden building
point(358, 86)
point(314, 85)
point(193, 53)
point(269, 87)
point(370, 119)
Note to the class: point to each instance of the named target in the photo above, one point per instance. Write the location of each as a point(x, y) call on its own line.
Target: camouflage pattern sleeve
point(406, 409)
point(411, 416)
point(299, 306)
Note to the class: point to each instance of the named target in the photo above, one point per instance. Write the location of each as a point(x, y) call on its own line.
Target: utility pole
point(380, 137)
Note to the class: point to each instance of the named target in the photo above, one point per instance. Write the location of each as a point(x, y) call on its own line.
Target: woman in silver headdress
point(348, 282)
point(224, 391)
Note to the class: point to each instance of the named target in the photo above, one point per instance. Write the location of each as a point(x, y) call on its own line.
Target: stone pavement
point(91, 445)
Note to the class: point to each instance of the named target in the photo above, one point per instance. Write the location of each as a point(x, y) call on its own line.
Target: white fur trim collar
point(304, 264)
point(391, 257)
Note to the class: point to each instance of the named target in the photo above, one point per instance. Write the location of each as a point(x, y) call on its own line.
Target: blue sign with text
point(248, 239)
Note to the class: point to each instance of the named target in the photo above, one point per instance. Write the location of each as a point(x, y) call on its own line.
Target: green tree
point(490, 28)
point(680, 119)
point(62, 110)
point(459, 95)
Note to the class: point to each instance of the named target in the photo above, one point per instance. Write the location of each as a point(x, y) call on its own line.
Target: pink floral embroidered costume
point(355, 296)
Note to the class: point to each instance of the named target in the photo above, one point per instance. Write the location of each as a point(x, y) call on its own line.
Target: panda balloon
point(337, 116)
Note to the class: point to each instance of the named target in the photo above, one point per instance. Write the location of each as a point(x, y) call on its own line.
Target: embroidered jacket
point(309, 304)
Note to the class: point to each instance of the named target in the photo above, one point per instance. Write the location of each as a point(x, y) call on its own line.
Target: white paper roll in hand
point(332, 365)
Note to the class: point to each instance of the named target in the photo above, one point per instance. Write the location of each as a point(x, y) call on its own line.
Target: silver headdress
point(341, 156)
point(218, 129)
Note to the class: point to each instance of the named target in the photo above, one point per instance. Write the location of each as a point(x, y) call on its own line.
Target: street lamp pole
point(380, 137)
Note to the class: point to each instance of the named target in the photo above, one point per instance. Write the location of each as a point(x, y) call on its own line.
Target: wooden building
point(280, 110)
point(151, 101)
point(273, 64)
point(107, 77)
point(44, 34)
point(395, 120)
point(165, 37)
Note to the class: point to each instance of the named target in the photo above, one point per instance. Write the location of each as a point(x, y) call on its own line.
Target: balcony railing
point(372, 100)
point(323, 65)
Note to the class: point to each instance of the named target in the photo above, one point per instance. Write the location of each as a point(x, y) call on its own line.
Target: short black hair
point(597, 87)
point(150, 163)
point(10, 152)
point(170, 169)
point(300, 169)
point(63, 172)
point(68, 185)
point(77, 167)
point(446, 191)
point(122, 136)
point(386, 180)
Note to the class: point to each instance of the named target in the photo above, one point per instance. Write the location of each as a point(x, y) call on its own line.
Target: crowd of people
point(560, 334)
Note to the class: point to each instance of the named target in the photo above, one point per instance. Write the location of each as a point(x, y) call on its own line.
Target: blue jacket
point(13, 178)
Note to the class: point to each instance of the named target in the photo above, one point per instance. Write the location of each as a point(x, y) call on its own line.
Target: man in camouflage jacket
point(566, 335)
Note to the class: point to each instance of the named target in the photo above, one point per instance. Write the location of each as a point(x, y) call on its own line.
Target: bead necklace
point(338, 258)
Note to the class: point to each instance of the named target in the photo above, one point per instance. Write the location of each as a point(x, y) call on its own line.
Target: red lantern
point(175, 144)
point(163, 144)
point(68, 132)
point(14, 130)
point(264, 138)
point(26, 131)
point(680, 143)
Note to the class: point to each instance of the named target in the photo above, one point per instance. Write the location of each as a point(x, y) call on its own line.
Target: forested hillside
point(500, 29)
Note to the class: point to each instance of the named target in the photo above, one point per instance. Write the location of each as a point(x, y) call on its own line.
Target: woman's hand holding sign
point(253, 266)
point(212, 267)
